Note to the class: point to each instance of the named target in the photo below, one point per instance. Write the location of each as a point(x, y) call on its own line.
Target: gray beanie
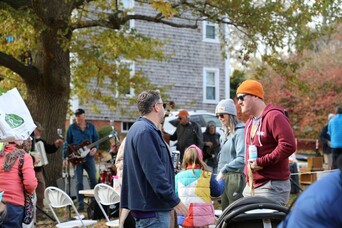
point(226, 106)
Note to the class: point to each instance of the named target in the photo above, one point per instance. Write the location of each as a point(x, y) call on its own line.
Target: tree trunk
point(48, 95)
point(52, 116)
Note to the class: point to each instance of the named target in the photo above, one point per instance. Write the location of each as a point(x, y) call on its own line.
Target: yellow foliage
point(165, 8)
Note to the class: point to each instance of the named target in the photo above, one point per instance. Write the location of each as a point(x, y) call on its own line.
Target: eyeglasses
point(241, 97)
point(221, 115)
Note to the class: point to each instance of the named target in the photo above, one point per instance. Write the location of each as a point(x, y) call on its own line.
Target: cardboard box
point(315, 163)
point(308, 178)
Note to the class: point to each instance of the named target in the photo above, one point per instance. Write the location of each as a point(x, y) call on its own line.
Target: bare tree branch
point(115, 21)
point(160, 20)
point(92, 23)
point(17, 4)
point(78, 3)
point(28, 73)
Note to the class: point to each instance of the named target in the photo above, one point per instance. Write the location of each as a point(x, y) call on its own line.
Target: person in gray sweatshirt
point(232, 154)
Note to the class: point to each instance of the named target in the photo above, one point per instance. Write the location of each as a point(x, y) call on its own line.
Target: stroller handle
point(224, 220)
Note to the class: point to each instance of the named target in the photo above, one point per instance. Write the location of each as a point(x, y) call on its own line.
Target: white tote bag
point(16, 122)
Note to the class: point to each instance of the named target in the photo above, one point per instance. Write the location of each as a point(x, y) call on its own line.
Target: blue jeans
point(162, 220)
point(14, 216)
point(89, 166)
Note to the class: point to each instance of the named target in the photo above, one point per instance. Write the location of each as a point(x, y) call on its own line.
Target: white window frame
point(227, 64)
point(131, 74)
point(205, 38)
point(130, 4)
point(129, 7)
point(216, 72)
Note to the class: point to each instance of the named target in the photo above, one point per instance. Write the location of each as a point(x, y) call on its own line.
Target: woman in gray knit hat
point(232, 153)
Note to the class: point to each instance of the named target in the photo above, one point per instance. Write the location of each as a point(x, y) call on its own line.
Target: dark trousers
point(336, 153)
point(40, 189)
point(235, 183)
point(129, 222)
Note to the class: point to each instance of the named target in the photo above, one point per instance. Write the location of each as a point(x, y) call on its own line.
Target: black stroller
point(252, 212)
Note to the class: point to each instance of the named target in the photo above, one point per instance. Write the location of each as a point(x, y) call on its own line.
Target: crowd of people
point(252, 160)
point(248, 159)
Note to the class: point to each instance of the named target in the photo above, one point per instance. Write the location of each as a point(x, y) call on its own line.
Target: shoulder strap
point(21, 163)
point(10, 159)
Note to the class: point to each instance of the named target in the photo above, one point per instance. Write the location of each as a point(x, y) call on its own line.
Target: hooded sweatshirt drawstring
point(249, 168)
point(258, 131)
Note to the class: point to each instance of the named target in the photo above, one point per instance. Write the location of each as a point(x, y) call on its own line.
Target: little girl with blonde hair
point(195, 185)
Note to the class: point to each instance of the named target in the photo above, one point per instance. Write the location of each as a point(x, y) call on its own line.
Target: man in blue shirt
point(319, 205)
point(335, 132)
point(77, 134)
point(148, 182)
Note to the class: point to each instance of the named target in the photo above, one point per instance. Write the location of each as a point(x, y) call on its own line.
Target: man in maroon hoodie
point(270, 140)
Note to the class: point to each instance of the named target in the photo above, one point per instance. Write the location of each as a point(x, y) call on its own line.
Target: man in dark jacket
point(148, 185)
point(187, 133)
point(49, 149)
point(325, 139)
point(335, 132)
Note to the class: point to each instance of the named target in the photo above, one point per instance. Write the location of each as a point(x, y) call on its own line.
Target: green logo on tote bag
point(14, 120)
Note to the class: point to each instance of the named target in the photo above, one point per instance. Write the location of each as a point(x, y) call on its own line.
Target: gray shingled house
point(197, 71)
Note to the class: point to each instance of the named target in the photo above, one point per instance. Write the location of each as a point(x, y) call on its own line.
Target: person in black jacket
point(49, 149)
point(325, 139)
point(211, 140)
point(187, 133)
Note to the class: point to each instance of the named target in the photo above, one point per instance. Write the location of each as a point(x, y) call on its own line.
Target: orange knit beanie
point(251, 87)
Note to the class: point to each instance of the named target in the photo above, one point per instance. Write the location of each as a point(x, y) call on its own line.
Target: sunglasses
point(241, 97)
point(221, 115)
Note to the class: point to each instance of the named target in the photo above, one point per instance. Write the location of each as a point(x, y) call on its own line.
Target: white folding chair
point(106, 195)
point(57, 198)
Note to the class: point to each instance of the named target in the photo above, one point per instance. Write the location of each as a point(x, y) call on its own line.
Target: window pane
point(126, 4)
point(210, 78)
point(210, 32)
point(210, 93)
point(129, 67)
point(126, 126)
